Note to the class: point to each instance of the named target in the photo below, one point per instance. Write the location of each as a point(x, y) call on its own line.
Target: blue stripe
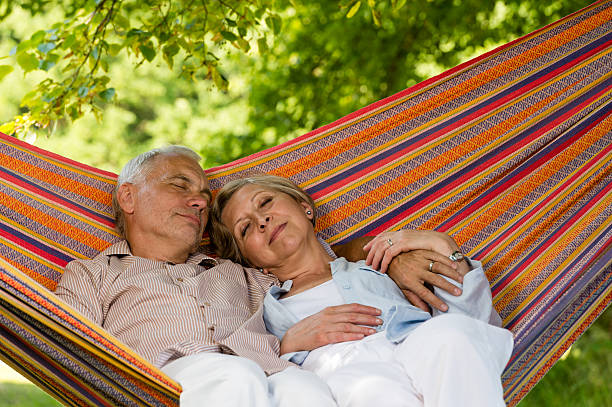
point(385, 154)
point(45, 248)
point(66, 201)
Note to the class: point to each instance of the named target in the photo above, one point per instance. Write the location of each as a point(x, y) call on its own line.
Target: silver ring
point(389, 242)
point(431, 266)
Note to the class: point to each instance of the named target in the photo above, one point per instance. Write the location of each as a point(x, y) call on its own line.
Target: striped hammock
point(510, 153)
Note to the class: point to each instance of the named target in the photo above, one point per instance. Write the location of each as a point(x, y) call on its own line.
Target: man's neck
point(159, 251)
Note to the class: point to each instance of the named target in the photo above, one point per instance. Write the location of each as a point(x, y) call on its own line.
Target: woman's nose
point(263, 221)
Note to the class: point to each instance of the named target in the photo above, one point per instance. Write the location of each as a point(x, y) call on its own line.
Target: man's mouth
point(193, 218)
point(277, 230)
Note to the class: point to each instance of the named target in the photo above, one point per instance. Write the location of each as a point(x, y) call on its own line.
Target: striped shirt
point(165, 311)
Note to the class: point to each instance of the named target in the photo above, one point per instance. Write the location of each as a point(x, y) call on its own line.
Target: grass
point(582, 378)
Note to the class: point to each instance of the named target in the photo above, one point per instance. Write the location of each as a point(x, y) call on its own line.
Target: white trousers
point(448, 361)
point(214, 379)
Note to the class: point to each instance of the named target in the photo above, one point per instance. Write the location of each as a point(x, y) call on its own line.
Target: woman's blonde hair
point(222, 237)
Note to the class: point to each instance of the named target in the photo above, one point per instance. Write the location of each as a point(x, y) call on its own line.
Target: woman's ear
point(308, 209)
point(125, 198)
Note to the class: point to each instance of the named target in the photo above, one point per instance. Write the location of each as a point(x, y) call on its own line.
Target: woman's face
point(269, 226)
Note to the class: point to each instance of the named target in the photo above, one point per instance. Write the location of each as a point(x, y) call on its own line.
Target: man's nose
point(198, 201)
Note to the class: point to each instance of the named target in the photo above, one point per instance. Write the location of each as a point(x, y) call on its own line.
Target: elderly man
point(197, 318)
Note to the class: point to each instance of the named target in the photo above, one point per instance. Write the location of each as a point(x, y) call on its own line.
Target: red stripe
point(392, 98)
point(50, 197)
point(491, 245)
point(492, 194)
point(510, 277)
point(56, 157)
point(565, 284)
point(483, 166)
point(32, 248)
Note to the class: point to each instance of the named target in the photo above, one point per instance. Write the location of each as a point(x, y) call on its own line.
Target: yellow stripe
point(548, 254)
point(59, 163)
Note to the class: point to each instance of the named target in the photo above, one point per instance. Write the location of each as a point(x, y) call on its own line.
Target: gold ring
point(431, 266)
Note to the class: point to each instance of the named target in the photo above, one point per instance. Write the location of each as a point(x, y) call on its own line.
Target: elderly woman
point(413, 359)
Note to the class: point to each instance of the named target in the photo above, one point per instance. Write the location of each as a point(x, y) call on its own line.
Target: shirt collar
point(122, 249)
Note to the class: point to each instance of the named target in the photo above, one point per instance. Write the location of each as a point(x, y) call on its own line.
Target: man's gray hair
point(135, 171)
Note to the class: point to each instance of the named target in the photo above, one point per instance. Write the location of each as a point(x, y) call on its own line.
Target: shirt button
point(207, 304)
point(180, 279)
point(211, 328)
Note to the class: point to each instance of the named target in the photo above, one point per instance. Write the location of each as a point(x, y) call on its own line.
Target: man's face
point(170, 206)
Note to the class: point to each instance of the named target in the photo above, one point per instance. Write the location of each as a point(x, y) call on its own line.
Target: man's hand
point(340, 323)
point(410, 271)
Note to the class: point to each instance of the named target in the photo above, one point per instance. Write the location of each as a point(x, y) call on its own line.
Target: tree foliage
point(280, 67)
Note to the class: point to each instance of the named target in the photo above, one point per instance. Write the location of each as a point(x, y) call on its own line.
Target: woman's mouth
point(277, 230)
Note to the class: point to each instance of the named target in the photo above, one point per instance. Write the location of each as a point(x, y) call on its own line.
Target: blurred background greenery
point(307, 64)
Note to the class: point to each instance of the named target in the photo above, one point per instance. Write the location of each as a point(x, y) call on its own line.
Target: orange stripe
point(46, 282)
point(54, 178)
point(322, 155)
point(47, 221)
point(466, 148)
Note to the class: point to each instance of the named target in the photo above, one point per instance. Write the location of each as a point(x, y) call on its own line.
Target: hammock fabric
point(509, 153)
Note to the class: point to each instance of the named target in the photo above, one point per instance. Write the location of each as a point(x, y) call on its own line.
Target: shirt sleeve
point(79, 287)
point(475, 301)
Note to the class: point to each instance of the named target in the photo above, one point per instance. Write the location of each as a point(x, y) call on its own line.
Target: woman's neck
point(307, 269)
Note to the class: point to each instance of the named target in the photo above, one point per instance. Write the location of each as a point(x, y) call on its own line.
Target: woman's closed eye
point(244, 229)
point(265, 201)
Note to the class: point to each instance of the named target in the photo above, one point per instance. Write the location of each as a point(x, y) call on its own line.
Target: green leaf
point(243, 44)
point(45, 65)
point(376, 17)
point(262, 45)
point(275, 23)
point(23, 45)
point(353, 10)
point(38, 37)
point(372, 3)
point(113, 49)
point(399, 4)
point(68, 41)
point(108, 94)
point(230, 36)
point(8, 128)
point(147, 52)
point(5, 70)
point(27, 61)
point(230, 22)
point(219, 79)
point(121, 21)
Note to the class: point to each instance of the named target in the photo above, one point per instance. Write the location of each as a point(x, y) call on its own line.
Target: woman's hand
point(335, 324)
point(384, 247)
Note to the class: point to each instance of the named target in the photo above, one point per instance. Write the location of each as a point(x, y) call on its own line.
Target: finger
point(416, 301)
point(443, 269)
point(390, 254)
point(376, 259)
point(373, 247)
point(424, 294)
point(338, 337)
point(440, 258)
point(443, 284)
point(354, 308)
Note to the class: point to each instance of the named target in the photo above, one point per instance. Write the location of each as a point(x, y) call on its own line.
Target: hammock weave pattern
point(509, 153)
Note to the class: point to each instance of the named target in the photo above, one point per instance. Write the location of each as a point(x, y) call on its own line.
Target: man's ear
point(126, 198)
